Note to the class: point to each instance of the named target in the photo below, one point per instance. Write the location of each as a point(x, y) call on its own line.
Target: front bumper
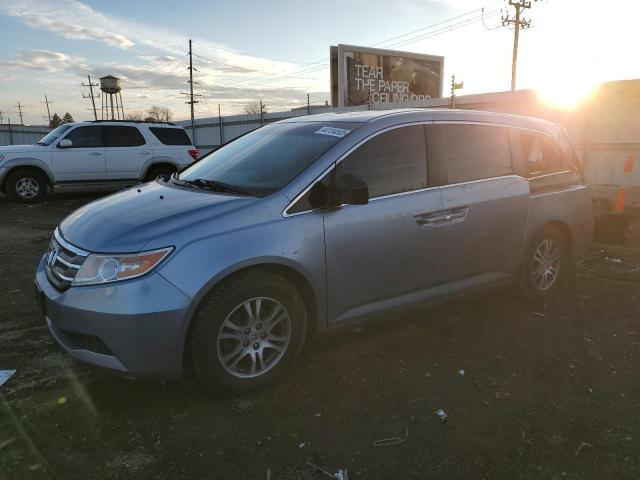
point(136, 326)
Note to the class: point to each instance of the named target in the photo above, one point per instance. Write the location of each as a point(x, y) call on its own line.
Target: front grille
point(63, 261)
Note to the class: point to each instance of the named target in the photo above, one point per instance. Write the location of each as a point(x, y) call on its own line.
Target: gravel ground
point(550, 390)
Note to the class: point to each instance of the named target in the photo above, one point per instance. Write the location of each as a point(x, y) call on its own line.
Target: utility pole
point(455, 86)
point(20, 112)
point(1, 117)
point(261, 113)
point(47, 103)
point(308, 105)
point(93, 101)
point(518, 22)
point(220, 126)
point(191, 101)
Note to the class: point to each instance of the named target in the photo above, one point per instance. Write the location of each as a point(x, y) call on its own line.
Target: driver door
point(84, 160)
point(384, 255)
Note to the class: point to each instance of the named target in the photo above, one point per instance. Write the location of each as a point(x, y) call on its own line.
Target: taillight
point(195, 154)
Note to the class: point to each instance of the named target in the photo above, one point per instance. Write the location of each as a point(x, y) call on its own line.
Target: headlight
point(105, 268)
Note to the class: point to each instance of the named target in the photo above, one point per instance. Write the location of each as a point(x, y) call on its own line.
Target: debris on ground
point(392, 440)
point(441, 414)
point(539, 314)
point(241, 405)
point(341, 474)
point(461, 372)
point(6, 443)
point(6, 375)
point(582, 445)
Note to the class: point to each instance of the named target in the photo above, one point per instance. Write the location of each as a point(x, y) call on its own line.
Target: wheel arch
point(294, 276)
point(34, 167)
point(564, 228)
point(158, 162)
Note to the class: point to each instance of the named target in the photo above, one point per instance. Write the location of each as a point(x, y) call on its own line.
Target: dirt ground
point(550, 390)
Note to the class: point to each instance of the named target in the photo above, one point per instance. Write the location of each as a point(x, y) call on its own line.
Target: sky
point(278, 51)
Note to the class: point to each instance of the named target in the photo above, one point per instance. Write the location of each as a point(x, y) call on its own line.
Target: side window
point(469, 152)
point(85, 137)
point(123, 137)
point(392, 162)
point(540, 155)
point(171, 136)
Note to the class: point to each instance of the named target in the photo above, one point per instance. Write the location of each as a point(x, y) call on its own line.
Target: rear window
point(171, 136)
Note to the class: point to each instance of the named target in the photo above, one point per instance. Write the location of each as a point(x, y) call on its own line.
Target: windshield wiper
point(213, 185)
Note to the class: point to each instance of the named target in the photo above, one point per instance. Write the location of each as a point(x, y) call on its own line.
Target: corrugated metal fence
point(21, 135)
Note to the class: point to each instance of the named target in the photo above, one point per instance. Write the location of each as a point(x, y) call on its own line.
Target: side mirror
point(349, 189)
point(65, 143)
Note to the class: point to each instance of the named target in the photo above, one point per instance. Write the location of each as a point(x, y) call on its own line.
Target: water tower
point(110, 85)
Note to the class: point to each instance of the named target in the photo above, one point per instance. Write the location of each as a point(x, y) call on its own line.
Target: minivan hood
point(128, 220)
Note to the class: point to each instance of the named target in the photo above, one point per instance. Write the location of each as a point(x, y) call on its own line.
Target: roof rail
point(128, 121)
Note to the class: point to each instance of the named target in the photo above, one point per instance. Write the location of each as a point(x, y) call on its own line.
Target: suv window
point(392, 162)
point(171, 136)
point(470, 152)
point(85, 137)
point(540, 155)
point(116, 136)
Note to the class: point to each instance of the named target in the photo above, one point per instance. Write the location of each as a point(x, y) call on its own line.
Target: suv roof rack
point(128, 121)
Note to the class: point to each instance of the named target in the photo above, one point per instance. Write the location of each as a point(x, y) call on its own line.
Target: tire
point(26, 186)
point(546, 264)
point(159, 172)
point(226, 343)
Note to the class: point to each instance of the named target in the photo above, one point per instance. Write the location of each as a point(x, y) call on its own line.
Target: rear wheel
point(26, 186)
point(160, 172)
point(545, 264)
point(247, 332)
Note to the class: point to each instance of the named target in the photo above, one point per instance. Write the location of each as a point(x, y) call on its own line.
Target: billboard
point(361, 75)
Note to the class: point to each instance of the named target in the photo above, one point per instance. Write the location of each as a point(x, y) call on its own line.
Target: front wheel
point(26, 186)
point(247, 332)
point(545, 264)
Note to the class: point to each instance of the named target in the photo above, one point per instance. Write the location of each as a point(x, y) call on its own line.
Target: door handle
point(96, 154)
point(144, 153)
point(448, 217)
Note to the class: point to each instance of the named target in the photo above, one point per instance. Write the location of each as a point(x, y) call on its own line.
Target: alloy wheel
point(254, 337)
point(27, 187)
point(545, 265)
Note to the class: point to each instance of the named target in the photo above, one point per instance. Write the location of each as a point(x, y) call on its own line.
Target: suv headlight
point(106, 268)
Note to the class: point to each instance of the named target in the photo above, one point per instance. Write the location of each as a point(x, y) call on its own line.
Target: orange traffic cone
point(621, 197)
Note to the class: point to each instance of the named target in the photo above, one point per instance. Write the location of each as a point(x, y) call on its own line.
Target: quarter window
point(469, 152)
point(540, 155)
point(123, 136)
point(85, 137)
point(171, 136)
point(392, 162)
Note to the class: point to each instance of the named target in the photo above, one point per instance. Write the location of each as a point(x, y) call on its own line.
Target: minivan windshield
point(53, 135)
point(265, 160)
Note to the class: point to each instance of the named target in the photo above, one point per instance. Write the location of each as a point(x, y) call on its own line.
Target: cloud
point(68, 18)
point(45, 60)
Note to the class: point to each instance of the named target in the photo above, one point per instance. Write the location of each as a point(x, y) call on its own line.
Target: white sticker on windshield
point(333, 131)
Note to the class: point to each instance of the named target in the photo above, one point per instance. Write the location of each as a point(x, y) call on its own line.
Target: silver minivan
point(307, 225)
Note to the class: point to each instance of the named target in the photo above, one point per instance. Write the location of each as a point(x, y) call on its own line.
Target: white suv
point(94, 155)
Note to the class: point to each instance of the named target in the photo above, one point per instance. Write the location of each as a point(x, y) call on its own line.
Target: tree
point(254, 108)
point(55, 121)
point(67, 118)
point(135, 115)
point(159, 113)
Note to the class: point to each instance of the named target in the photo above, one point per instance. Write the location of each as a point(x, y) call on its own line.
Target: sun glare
point(566, 96)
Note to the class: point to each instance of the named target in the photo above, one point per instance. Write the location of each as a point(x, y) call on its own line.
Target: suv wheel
point(545, 264)
point(26, 186)
point(160, 172)
point(247, 332)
